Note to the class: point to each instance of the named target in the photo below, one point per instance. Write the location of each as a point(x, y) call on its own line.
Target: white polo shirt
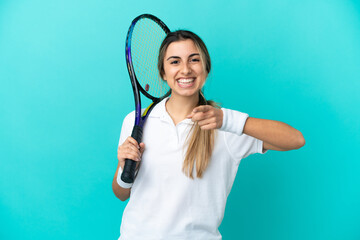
point(164, 203)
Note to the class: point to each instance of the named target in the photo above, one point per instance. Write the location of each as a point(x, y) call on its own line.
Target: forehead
point(181, 48)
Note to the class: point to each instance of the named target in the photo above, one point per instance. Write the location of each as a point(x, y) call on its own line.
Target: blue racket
point(143, 41)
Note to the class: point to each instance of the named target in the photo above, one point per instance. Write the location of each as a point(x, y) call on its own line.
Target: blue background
point(65, 90)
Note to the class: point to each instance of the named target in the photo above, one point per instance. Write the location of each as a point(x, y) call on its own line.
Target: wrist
point(120, 182)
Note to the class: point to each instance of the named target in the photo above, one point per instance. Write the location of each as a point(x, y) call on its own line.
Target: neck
point(179, 107)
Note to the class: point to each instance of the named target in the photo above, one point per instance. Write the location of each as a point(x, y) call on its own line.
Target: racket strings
point(145, 43)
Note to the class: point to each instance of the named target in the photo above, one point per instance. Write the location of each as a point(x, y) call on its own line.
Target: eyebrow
point(191, 55)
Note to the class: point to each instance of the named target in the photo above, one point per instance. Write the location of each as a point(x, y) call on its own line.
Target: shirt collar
point(159, 111)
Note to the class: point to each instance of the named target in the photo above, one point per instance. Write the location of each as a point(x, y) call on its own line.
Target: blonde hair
point(200, 143)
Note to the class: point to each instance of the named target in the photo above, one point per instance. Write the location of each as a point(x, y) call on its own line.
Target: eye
point(174, 62)
point(195, 60)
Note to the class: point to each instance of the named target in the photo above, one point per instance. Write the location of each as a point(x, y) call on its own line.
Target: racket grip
point(128, 174)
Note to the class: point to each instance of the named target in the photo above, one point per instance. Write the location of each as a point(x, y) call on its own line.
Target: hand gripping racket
point(143, 41)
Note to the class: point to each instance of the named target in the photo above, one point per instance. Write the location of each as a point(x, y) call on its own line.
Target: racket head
point(143, 42)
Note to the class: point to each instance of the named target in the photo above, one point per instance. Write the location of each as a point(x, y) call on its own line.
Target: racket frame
point(128, 174)
point(137, 88)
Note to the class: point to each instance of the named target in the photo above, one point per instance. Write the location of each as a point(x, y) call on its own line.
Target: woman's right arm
point(122, 193)
point(130, 149)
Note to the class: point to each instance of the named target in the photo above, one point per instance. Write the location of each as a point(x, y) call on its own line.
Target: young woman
point(190, 152)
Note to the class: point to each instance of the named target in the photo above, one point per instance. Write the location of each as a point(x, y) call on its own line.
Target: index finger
point(202, 108)
point(132, 141)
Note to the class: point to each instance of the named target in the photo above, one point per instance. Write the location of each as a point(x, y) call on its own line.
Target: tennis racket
point(143, 41)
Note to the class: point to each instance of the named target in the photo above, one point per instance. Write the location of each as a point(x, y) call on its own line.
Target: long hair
point(200, 143)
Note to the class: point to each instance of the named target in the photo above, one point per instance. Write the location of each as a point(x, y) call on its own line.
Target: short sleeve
point(242, 146)
point(239, 144)
point(127, 127)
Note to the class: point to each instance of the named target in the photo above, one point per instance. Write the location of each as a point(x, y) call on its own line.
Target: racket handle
point(128, 174)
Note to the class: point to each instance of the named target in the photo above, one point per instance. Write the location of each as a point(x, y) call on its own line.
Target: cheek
point(203, 75)
point(164, 75)
point(168, 72)
point(201, 72)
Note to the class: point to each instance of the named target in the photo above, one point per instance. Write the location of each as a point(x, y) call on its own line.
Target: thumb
point(142, 147)
point(190, 115)
point(202, 108)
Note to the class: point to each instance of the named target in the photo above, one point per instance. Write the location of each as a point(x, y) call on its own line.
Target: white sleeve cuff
point(233, 121)
point(121, 182)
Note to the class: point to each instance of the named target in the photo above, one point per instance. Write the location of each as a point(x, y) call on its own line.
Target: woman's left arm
point(275, 135)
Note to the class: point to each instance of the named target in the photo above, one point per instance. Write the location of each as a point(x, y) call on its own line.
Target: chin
point(187, 93)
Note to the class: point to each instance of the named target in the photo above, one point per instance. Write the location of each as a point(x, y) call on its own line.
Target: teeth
point(186, 80)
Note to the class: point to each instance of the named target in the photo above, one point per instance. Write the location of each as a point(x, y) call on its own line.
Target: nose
point(186, 69)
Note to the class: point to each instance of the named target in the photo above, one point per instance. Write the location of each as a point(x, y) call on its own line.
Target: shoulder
point(231, 138)
point(130, 117)
point(238, 146)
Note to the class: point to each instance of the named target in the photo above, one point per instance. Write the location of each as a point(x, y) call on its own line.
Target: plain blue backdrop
point(65, 90)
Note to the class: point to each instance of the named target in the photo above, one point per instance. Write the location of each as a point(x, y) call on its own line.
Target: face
point(184, 71)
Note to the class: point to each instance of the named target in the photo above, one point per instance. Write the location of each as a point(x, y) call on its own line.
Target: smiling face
point(183, 68)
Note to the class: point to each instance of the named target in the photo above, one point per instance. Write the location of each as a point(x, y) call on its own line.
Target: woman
point(193, 150)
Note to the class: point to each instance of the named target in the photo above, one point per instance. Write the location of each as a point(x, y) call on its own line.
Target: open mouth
point(185, 82)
